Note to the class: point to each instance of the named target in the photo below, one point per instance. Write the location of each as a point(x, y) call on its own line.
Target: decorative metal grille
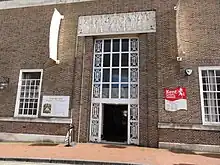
point(134, 91)
point(96, 90)
point(94, 131)
point(98, 60)
point(134, 135)
point(133, 131)
point(95, 111)
point(95, 128)
point(134, 75)
point(134, 112)
point(134, 44)
point(98, 46)
point(97, 75)
point(134, 59)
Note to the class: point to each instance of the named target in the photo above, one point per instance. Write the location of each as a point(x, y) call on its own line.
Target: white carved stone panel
point(98, 60)
point(133, 124)
point(133, 91)
point(134, 75)
point(136, 22)
point(133, 132)
point(95, 128)
point(133, 112)
point(98, 46)
point(134, 45)
point(94, 125)
point(95, 111)
point(134, 59)
point(97, 75)
point(96, 91)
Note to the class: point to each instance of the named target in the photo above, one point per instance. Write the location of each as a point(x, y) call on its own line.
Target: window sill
point(189, 126)
point(37, 120)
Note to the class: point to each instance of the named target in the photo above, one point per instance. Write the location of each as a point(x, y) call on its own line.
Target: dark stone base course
point(65, 161)
point(189, 136)
point(34, 128)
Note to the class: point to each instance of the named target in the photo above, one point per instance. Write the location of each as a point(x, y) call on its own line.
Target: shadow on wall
point(44, 143)
point(181, 151)
point(211, 155)
point(114, 146)
point(184, 164)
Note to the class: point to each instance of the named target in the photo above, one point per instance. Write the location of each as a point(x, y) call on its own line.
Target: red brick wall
point(34, 128)
point(24, 44)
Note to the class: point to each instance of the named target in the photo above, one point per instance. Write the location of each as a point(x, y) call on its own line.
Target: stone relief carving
point(136, 22)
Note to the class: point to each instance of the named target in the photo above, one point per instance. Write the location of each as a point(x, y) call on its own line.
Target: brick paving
point(107, 152)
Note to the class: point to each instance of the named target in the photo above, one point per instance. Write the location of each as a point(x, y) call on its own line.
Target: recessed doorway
point(115, 123)
point(115, 91)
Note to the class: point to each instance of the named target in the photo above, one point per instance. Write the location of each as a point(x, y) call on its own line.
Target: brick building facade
point(163, 31)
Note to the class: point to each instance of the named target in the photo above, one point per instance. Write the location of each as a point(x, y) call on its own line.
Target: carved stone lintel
point(136, 22)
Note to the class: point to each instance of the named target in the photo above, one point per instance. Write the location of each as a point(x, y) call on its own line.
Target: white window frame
point(129, 101)
point(119, 99)
point(16, 114)
point(200, 69)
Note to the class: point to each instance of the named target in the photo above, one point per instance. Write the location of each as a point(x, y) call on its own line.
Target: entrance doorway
point(115, 123)
point(115, 91)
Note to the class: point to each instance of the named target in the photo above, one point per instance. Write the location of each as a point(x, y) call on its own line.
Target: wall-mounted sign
point(57, 106)
point(175, 99)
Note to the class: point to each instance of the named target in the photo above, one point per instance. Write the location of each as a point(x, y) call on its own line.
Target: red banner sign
point(175, 99)
point(175, 94)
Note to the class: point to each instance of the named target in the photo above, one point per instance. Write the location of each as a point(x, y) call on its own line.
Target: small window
point(28, 95)
point(210, 94)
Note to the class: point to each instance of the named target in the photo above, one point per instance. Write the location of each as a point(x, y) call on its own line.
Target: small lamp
point(188, 71)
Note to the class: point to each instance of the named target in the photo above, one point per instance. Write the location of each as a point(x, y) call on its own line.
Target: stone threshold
point(190, 147)
point(189, 126)
point(37, 120)
point(24, 137)
point(65, 161)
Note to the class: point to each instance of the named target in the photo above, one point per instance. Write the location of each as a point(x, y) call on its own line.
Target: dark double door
point(115, 123)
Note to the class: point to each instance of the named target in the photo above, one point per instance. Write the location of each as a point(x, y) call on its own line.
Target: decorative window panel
point(134, 112)
point(134, 91)
point(95, 111)
point(98, 46)
point(95, 121)
point(134, 45)
point(98, 60)
point(134, 75)
point(115, 68)
point(134, 131)
point(134, 124)
point(97, 75)
point(95, 128)
point(134, 59)
point(96, 90)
